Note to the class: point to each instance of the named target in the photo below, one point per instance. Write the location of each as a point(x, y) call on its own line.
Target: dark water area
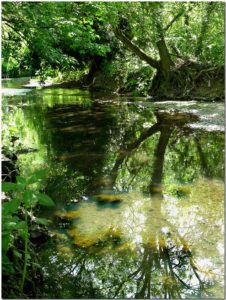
point(138, 187)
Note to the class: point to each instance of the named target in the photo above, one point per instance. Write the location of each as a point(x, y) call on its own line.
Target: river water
point(138, 187)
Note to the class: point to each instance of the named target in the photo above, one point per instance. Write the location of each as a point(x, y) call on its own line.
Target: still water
point(138, 188)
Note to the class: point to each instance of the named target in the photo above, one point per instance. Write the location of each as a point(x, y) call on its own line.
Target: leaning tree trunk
point(190, 80)
point(165, 61)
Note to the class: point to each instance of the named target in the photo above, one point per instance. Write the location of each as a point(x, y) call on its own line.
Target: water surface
point(138, 188)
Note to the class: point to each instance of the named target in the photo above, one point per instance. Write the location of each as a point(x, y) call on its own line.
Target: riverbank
point(23, 231)
point(204, 84)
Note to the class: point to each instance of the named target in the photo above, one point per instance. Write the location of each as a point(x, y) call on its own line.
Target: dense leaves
point(17, 218)
point(54, 34)
point(68, 36)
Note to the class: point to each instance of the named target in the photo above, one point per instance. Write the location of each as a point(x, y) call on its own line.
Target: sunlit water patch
point(14, 92)
point(161, 237)
point(211, 115)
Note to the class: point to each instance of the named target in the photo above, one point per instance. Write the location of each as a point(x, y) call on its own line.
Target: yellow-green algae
point(109, 198)
point(67, 214)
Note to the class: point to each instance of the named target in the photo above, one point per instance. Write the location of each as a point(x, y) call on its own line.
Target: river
point(138, 187)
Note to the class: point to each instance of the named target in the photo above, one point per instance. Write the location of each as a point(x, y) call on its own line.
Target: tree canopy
point(51, 37)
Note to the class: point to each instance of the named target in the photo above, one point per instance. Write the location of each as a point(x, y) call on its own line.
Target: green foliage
point(55, 35)
point(9, 130)
point(51, 38)
point(139, 81)
point(15, 212)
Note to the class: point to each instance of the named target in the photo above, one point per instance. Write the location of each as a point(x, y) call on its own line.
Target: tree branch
point(165, 60)
point(152, 62)
point(176, 17)
point(132, 146)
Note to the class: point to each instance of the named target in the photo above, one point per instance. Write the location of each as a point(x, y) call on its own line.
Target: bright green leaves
point(68, 35)
point(25, 195)
point(15, 227)
point(61, 34)
point(10, 186)
point(44, 200)
point(29, 199)
point(11, 207)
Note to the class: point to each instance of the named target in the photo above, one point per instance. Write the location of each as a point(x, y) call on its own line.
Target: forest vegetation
point(160, 49)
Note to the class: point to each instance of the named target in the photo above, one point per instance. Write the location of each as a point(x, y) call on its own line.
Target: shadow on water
point(135, 186)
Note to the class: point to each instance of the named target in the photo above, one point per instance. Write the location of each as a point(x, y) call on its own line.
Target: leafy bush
point(15, 218)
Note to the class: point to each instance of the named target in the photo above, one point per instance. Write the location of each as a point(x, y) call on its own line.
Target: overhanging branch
point(152, 62)
point(176, 17)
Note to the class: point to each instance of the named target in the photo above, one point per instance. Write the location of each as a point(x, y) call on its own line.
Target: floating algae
point(68, 214)
point(80, 239)
point(158, 224)
point(109, 198)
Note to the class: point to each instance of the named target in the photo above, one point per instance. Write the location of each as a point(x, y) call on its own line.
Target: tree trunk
point(156, 181)
point(204, 28)
point(165, 61)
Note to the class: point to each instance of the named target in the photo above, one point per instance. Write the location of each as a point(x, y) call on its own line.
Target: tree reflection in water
point(138, 191)
point(148, 257)
point(138, 248)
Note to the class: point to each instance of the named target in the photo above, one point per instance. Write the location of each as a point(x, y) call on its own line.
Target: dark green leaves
point(23, 229)
point(20, 180)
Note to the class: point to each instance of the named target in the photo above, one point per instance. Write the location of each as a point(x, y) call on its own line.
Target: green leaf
point(10, 186)
point(37, 176)
point(5, 241)
point(17, 254)
point(45, 200)
point(11, 206)
point(11, 224)
point(21, 180)
point(7, 219)
point(29, 198)
point(23, 229)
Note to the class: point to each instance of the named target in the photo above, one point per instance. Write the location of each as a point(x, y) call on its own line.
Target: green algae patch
point(109, 198)
point(84, 239)
point(68, 215)
point(64, 250)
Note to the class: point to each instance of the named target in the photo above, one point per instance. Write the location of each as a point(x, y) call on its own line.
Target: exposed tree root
point(190, 81)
